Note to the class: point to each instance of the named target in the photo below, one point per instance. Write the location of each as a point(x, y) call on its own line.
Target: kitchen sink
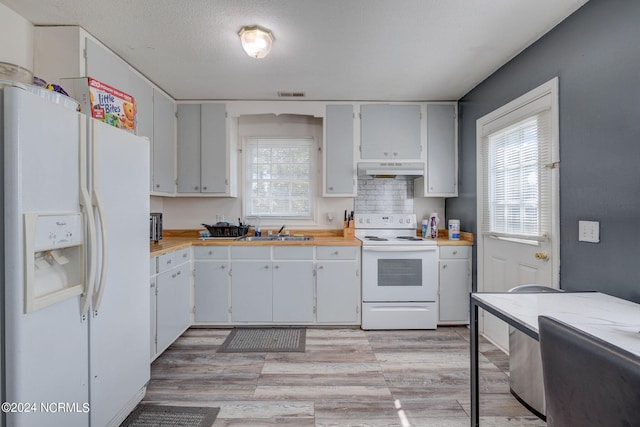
point(274, 238)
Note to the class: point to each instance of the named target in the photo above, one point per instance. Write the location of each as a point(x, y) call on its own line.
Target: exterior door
point(518, 199)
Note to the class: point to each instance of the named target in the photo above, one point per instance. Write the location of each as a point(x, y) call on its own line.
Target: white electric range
point(399, 273)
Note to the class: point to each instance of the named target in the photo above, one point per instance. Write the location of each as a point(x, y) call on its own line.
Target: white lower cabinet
point(171, 307)
point(293, 284)
point(211, 283)
point(152, 312)
point(276, 284)
point(251, 291)
point(338, 284)
point(454, 284)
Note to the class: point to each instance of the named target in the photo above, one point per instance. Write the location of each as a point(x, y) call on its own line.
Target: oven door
point(399, 273)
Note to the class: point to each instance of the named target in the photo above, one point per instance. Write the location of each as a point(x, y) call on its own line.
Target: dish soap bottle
point(433, 225)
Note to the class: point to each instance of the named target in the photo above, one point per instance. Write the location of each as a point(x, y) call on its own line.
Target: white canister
point(454, 229)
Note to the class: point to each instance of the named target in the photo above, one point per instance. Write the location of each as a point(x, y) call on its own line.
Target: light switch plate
point(589, 231)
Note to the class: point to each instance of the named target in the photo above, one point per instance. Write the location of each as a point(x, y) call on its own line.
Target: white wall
point(16, 35)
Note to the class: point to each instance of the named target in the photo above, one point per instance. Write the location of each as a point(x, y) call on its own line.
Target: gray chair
point(587, 381)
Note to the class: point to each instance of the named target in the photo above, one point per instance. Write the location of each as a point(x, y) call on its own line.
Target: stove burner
point(376, 238)
point(412, 238)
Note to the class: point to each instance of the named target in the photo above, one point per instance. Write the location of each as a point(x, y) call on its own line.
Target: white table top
point(611, 319)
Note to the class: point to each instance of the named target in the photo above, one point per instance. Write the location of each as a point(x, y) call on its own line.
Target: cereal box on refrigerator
point(104, 102)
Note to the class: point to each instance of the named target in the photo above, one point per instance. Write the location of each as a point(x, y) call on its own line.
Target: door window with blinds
point(279, 177)
point(517, 173)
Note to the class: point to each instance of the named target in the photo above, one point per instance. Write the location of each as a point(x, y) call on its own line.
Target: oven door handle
point(399, 248)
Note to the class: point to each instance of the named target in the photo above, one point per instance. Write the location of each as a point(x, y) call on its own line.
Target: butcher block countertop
point(178, 239)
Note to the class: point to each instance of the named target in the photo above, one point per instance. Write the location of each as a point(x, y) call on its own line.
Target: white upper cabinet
point(441, 178)
point(164, 128)
point(189, 153)
point(214, 163)
point(339, 165)
point(68, 51)
point(206, 154)
point(390, 132)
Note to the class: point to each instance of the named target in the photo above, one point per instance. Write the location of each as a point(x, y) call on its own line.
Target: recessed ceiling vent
point(283, 94)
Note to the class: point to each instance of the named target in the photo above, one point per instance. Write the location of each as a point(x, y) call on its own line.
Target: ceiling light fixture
point(256, 41)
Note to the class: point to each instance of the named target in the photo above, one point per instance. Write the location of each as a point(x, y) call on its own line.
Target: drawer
point(166, 262)
point(250, 252)
point(153, 266)
point(453, 252)
point(183, 255)
point(337, 252)
point(293, 252)
point(211, 252)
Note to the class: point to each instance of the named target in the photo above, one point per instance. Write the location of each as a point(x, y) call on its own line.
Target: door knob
point(542, 256)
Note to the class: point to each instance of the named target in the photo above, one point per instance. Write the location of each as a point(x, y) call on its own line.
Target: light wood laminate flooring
point(346, 377)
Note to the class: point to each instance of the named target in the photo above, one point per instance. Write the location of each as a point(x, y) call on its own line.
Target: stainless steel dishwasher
point(525, 365)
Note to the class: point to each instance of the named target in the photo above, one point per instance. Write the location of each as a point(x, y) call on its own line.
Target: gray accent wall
point(596, 55)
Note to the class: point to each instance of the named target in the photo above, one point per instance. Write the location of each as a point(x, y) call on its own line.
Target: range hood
point(390, 169)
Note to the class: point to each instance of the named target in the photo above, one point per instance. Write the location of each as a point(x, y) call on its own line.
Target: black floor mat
point(145, 415)
point(255, 340)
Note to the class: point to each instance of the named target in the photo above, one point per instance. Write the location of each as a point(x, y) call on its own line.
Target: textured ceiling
point(330, 49)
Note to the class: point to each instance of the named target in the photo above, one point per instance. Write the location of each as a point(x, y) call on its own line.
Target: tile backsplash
point(384, 195)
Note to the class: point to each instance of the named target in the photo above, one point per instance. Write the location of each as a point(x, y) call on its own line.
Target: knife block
point(348, 230)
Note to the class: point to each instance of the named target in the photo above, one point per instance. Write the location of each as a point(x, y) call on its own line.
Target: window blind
point(279, 177)
point(517, 177)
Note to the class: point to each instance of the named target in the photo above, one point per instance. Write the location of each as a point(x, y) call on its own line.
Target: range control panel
point(392, 221)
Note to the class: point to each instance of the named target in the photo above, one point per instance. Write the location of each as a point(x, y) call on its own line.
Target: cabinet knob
point(195, 188)
point(266, 267)
point(444, 266)
point(386, 154)
point(204, 188)
point(320, 267)
point(210, 252)
point(276, 267)
point(168, 261)
point(178, 273)
point(173, 276)
point(455, 252)
point(222, 267)
point(395, 154)
point(336, 253)
point(331, 188)
point(157, 185)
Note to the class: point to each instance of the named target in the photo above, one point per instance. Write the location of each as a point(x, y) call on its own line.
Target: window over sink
point(279, 177)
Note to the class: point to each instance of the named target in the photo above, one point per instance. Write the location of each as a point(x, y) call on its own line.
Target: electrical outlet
point(589, 231)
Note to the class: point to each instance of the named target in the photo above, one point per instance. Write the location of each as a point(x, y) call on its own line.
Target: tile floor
point(346, 377)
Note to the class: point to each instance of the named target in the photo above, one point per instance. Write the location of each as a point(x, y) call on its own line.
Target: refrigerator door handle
point(85, 205)
point(99, 290)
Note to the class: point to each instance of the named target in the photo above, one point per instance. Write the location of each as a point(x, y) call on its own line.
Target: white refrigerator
point(75, 303)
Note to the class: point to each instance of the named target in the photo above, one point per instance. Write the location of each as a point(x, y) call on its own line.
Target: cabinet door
point(339, 173)
point(251, 291)
point(173, 305)
point(214, 173)
point(390, 131)
point(152, 312)
point(163, 139)
point(142, 92)
point(455, 286)
point(337, 293)
point(293, 291)
point(105, 66)
point(441, 149)
point(212, 291)
point(189, 148)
